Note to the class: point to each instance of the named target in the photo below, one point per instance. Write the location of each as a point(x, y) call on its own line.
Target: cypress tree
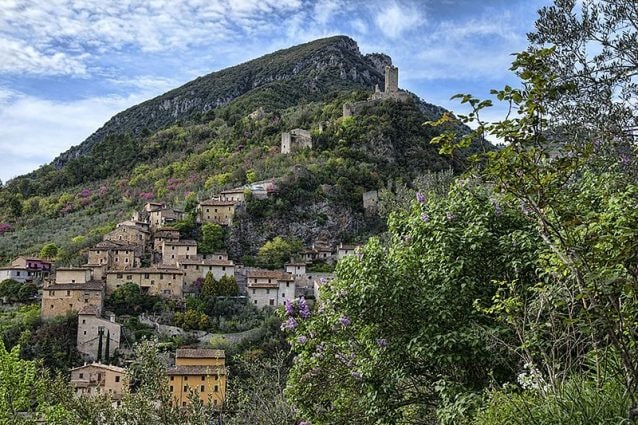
point(107, 354)
point(99, 345)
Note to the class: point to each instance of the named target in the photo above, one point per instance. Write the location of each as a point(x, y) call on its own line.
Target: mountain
point(223, 131)
point(303, 73)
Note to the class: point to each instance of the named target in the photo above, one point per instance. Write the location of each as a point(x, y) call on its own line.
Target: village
point(148, 252)
point(175, 270)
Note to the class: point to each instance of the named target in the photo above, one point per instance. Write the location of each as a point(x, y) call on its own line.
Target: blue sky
point(67, 66)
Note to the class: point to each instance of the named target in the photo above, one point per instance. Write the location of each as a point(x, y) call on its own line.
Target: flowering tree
point(400, 330)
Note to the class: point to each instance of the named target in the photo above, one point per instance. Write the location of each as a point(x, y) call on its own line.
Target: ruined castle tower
point(391, 79)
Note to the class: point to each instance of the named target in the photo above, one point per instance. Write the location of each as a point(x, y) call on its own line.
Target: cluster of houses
point(148, 252)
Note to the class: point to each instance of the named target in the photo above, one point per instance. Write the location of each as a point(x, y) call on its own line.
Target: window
point(186, 378)
point(119, 275)
point(51, 292)
point(216, 388)
point(161, 276)
point(145, 275)
point(272, 302)
point(183, 403)
point(283, 295)
point(287, 284)
point(185, 388)
point(171, 387)
point(253, 291)
point(172, 378)
point(52, 305)
point(84, 332)
point(117, 379)
point(203, 378)
point(188, 248)
point(215, 402)
point(126, 260)
point(18, 273)
point(267, 291)
point(129, 276)
point(84, 322)
point(201, 388)
point(81, 375)
point(173, 277)
point(255, 303)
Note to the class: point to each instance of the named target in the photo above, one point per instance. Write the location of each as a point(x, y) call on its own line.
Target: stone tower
point(391, 79)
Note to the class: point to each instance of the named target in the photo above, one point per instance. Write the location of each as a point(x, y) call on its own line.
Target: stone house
point(163, 281)
point(345, 250)
point(164, 217)
point(18, 274)
point(172, 251)
point(99, 379)
point(72, 291)
point(112, 255)
point(216, 211)
point(295, 268)
point(38, 267)
point(317, 252)
point(164, 234)
point(217, 255)
point(195, 268)
point(131, 235)
point(90, 326)
point(236, 195)
point(201, 370)
point(269, 288)
point(295, 140)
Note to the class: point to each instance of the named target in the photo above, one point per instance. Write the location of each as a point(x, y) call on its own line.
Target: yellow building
point(198, 370)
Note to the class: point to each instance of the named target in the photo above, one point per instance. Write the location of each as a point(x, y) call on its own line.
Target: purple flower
point(497, 208)
point(302, 339)
point(85, 193)
point(425, 217)
point(304, 310)
point(420, 198)
point(624, 159)
point(382, 342)
point(290, 309)
point(4, 227)
point(344, 321)
point(289, 324)
point(356, 375)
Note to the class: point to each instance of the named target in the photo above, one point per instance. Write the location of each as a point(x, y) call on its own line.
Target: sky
point(67, 66)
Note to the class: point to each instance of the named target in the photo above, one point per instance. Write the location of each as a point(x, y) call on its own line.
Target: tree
point(581, 314)
point(228, 286)
point(107, 348)
point(274, 253)
point(593, 62)
point(256, 394)
point(212, 238)
point(400, 331)
point(100, 333)
point(49, 251)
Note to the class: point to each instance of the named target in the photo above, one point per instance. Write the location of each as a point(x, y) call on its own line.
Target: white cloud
point(395, 19)
point(19, 57)
point(33, 131)
point(53, 36)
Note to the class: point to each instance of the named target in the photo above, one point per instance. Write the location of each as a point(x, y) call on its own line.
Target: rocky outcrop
point(309, 70)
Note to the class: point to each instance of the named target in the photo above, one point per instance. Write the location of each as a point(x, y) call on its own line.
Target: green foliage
point(129, 299)
point(212, 238)
point(274, 253)
point(17, 292)
point(49, 250)
point(256, 393)
point(371, 353)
